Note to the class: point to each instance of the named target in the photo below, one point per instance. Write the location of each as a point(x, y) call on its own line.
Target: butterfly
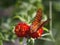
point(37, 22)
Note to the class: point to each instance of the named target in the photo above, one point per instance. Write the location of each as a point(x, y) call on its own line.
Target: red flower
point(21, 29)
point(37, 33)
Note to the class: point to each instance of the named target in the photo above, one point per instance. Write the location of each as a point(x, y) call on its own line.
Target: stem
point(17, 42)
point(24, 41)
point(50, 16)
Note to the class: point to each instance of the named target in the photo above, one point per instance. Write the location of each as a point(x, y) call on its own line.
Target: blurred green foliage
point(25, 11)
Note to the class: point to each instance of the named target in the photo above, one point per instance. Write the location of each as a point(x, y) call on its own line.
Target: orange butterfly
point(37, 23)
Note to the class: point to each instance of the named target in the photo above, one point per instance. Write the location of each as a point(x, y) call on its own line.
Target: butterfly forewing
point(36, 21)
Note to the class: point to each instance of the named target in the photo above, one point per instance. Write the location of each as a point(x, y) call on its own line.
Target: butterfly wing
point(42, 24)
point(36, 21)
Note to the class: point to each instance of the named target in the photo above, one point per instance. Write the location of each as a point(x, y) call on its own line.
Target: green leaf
point(15, 17)
point(46, 34)
point(30, 41)
point(1, 42)
point(45, 29)
point(21, 39)
point(46, 39)
point(1, 39)
point(19, 17)
point(1, 36)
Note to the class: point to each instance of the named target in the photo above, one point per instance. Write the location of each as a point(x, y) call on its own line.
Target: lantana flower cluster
point(23, 30)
